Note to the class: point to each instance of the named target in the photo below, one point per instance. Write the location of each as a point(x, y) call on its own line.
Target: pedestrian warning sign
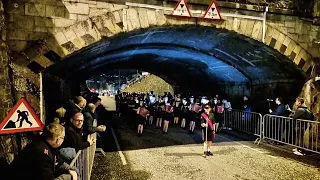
point(21, 118)
point(212, 12)
point(181, 9)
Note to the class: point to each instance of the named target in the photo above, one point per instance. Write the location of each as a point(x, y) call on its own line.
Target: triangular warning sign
point(181, 9)
point(21, 118)
point(212, 12)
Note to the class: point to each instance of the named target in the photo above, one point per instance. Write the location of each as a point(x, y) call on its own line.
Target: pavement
point(178, 155)
point(108, 102)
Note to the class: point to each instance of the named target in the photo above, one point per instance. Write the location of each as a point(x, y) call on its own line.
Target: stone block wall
point(36, 27)
point(37, 30)
point(286, 32)
point(56, 92)
point(7, 142)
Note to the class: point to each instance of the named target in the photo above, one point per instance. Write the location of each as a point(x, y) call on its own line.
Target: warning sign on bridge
point(212, 12)
point(181, 9)
point(21, 118)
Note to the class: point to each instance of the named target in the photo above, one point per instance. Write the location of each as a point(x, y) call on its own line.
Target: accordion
point(220, 109)
point(195, 108)
point(143, 111)
point(169, 108)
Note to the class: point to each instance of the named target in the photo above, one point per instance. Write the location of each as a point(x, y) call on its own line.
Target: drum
point(195, 108)
point(169, 108)
point(143, 112)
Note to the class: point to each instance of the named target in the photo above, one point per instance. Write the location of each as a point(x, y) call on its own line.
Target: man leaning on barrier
point(302, 113)
point(40, 159)
point(281, 109)
point(75, 140)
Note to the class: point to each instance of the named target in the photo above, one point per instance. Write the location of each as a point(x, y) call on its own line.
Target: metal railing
point(303, 134)
point(248, 122)
point(84, 161)
point(135, 80)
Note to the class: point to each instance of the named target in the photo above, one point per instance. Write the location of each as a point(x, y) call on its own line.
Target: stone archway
point(122, 19)
point(82, 34)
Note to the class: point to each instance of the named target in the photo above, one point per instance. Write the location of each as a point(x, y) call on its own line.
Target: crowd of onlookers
point(50, 153)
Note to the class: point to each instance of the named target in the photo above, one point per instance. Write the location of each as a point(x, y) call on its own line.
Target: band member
point(191, 99)
point(192, 116)
point(218, 112)
point(141, 116)
point(177, 109)
point(160, 112)
point(208, 128)
point(151, 109)
point(184, 113)
point(168, 116)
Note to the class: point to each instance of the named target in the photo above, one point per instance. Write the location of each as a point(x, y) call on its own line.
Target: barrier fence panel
point(248, 122)
point(84, 161)
point(91, 153)
point(299, 133)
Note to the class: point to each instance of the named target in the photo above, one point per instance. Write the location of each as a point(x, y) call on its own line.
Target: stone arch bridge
point(38, 35)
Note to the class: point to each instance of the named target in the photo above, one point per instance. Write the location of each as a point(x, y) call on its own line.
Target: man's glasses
point(78, 120)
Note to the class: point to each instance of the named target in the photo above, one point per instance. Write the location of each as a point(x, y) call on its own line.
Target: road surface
point(178, 156)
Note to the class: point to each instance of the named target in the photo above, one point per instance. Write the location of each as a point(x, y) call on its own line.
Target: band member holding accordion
point(208, 129)
point(141, 116)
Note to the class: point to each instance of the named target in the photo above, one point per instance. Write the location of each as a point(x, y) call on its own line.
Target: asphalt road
point(178, 156)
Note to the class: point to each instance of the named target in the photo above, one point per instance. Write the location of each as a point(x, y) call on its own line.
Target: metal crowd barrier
point(248, 122)
point(299, 133)
point(84, 161)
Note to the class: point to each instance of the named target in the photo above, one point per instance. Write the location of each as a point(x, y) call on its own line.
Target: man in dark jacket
point(281, 109)
point(88, 126)
point(40, 159)
point(276, 130)
point(74, 106)
point(302, 112)
point(74, 136)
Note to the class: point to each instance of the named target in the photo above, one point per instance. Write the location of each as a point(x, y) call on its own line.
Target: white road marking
point(123, 159)
point(242, 144)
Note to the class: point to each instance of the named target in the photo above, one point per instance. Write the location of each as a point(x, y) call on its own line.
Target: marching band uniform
point(207, 131)
point(184, 113)
point(151, 109)
point(159, 115)
point(168, 116)
point(177, 110)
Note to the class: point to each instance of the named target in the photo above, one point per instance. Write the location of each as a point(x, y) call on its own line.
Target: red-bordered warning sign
point(212, 12)
point(181, 9)
point(21, 118)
